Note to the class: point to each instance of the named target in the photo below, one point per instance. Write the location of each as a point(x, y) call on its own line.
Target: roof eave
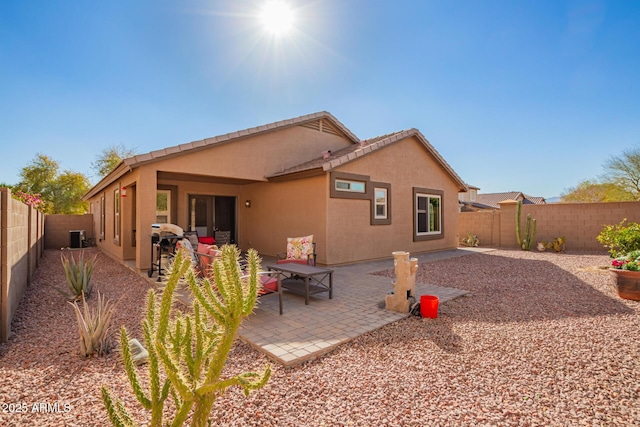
point(307, 173)
point(115, 174)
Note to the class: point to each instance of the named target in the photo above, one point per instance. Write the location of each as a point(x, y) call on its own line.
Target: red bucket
point(429, 306)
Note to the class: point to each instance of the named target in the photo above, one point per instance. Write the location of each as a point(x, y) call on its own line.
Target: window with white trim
point(116, 216)
point(428, 214)
point(102, 217)
point(163, 207)
point(350, 186)
point(380, 201)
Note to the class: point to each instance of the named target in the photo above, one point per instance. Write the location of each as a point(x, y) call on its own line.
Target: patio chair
point(206, 256)
point(192, 236)
point(301, 250)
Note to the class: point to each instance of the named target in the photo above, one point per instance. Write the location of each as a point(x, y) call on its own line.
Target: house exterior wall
point(257, 156)
point(579, 223)
point(250, 159)
point(284, 209)
point(405, 165)
point(107, 243)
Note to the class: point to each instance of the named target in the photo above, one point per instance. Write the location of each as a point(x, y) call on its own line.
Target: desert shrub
point(620, 239)
point(78, 274)
point(471, 240)
point(93, 326)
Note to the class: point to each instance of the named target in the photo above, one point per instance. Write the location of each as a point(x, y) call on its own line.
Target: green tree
point(67, 191)
point(589, 191)
point(61, 193)
point(624, 170)
point(109, 158)
point(37, 175)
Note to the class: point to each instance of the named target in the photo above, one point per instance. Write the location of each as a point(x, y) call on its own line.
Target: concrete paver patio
point(306, 332)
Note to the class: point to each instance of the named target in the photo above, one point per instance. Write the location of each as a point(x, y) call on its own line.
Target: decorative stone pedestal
point(405, 283)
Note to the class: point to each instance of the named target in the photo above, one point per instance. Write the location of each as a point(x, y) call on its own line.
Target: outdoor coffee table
point(304, 279)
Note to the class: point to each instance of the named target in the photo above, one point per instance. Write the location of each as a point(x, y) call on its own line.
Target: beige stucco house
point(361, 200)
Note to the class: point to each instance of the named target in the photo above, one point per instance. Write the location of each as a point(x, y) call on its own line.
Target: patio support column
point(146, 188)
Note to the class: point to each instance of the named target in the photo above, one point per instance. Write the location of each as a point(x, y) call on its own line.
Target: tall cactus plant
point(187, 351)
point(530, 231)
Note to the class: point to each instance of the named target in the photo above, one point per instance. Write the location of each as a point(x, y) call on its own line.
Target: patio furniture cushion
point(299, 248)
point(207, 255)
point(269, 285)
point(207, 240)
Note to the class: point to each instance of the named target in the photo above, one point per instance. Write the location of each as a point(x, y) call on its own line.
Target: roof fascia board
point(297, 175)
point(114, 175)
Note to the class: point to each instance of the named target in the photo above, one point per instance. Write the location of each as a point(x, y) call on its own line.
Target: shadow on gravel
point(514, 289)
point(506, 289)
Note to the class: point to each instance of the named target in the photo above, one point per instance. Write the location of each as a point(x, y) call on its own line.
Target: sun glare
point(277, 17)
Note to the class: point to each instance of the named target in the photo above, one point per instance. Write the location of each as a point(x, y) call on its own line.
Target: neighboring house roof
point(346, 155)
point(491, 200)
point(358, 149)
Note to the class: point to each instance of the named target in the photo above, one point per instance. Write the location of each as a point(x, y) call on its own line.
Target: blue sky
point(530, 96)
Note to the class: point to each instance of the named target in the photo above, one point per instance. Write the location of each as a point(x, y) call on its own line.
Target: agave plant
point(93, 326)
point(78, 274)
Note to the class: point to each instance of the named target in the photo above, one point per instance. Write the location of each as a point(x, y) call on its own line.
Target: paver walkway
point(305, 332)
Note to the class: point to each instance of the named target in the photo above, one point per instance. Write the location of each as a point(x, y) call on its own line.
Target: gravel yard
point(543, 340)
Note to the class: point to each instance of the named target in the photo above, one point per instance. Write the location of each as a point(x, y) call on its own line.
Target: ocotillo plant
point(187, 351)
point(530, 232)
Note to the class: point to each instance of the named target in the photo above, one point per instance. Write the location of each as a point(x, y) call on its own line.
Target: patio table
point(304, 279)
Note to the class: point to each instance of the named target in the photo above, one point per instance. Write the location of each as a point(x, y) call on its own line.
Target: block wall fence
point(579, 223)
point(21, 248)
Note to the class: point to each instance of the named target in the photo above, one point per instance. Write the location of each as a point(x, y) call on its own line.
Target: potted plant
point(626, 270)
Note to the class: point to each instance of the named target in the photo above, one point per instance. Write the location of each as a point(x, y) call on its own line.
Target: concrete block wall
point(21, 237)
point(58, 227)
point(579, 223)
point(484, 224)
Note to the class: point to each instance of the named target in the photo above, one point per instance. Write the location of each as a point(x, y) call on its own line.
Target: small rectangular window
point(351, 186)
point(381, 203)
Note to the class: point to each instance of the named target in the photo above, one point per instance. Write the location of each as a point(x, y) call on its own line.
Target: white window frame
point(384, 203)
point(116, 216)
point(102, 217)
point(350, 184)
point(472, 195)
point(429, 214)
point(166, 213)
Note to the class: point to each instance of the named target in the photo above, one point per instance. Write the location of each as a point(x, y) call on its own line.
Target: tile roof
point(491, 200)
point(365, 147)
point(138, 160)
point(130, 163)
point(358, 149)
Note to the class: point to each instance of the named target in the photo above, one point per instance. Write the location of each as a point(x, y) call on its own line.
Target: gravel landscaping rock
point(542, 340)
